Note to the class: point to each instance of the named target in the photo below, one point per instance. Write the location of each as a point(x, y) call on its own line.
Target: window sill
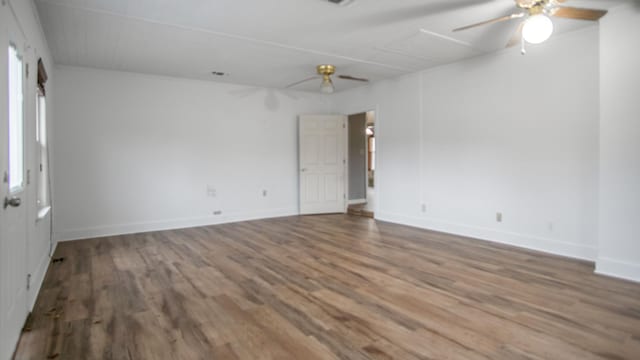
point(43, 212)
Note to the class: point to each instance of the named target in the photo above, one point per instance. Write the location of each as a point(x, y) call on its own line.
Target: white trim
point(42, 213)
point(448, 38)
point(345, 162)
point(357, 201)
point(616, 268)
point(556, 247)
point(421, 148)
point(169, 224)
point(37, 278)
point(366, 157)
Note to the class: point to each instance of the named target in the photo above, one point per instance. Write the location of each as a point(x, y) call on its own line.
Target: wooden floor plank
point(325, 287)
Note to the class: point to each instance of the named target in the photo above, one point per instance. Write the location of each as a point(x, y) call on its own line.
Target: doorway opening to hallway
point(361, 152)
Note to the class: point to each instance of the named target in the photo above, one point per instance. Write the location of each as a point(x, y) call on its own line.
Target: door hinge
point(344, 161)
point(29, 177)
point(28, 281)
point(5, 178)
point(27, 70)
point(344, 125)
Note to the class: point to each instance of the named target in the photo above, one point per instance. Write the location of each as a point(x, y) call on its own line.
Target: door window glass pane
point(41, 140)
point(16, 123)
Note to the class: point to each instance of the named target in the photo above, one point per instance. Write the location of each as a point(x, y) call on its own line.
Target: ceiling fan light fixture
point(537, 29)
point(327, 85)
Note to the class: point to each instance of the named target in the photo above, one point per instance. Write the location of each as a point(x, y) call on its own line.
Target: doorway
point(361, 160)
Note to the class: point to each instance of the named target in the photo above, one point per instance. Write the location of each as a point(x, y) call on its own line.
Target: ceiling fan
point(325, 71)
point(537, 26)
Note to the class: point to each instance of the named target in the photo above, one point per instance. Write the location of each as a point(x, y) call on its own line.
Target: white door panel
point(13, 226)
point(322, 164)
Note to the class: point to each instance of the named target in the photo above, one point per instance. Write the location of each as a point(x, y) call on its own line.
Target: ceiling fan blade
point(302, 81)
point(517, 36)
point(578, 13)
point(347, 77)
point(492, 21)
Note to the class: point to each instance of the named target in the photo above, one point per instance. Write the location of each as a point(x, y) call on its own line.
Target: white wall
point(499, 133)
point(37, 242)
point(619, 237)
point(137, 152)
point(396, 103)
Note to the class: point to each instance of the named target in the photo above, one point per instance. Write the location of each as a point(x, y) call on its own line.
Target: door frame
point(353, 111)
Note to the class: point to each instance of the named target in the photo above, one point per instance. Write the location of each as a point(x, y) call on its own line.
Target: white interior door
point(322, 163)
point(13, 214)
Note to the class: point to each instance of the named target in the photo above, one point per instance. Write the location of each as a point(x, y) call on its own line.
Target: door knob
point(14, 201)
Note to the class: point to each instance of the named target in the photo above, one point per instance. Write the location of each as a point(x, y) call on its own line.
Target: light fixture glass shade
point(537, 29)
point(327, 86)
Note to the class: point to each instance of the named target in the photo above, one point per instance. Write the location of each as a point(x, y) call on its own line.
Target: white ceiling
point(273, 43)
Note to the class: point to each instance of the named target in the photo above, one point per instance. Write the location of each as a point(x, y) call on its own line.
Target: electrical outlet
point(217, 212)
point(424, 207)
point(211, 191)
point(499, 217)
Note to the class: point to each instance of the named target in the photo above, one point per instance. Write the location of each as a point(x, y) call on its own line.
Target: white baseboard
point(617, 268)
point(171, 224)
point(357, 201)
point(604, 266)
point(551, 246)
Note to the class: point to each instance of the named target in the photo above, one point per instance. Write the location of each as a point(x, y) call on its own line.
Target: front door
point(322, 163)
point(13, 213)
